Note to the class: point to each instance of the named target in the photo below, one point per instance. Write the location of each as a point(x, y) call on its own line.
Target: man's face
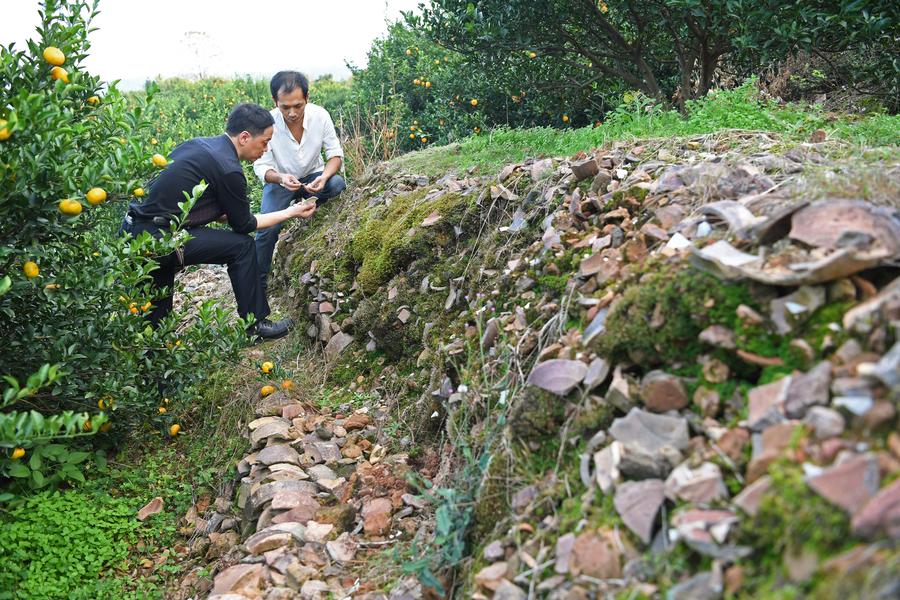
point(254, 146)
point(291, 104)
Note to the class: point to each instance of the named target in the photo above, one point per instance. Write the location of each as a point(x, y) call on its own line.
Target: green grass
point(740, 108)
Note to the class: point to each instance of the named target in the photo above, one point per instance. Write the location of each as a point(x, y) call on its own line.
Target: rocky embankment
point(660, 369)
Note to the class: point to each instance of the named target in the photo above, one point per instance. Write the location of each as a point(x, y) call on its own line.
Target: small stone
point(357, 421)
point(342, 516)
point(662, 392)
point(509, 591)
point(850, 484)
point(733, 442)
point(596, 555)
point(793, 309)
point(750, 497)
point(749, 316)
point(718, 336)
point(638, 504)
point(702, 485)
point(564, 546)
point(825, 422)
point(807, 390)
point(702, 586)
point(765, 404)
point(337, 345)
point(524, 497)
point(490, 576)
point(278, 453)
point(880, 515)
point(376, 514)
point(343, 549)
point(494, 551)
point(314, 589)
point(707, 400)
point(318, 532)
point(714, 370)
point(239, 577)
point(297, 574)
point(881, 413)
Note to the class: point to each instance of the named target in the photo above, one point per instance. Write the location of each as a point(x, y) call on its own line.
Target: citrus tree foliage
point(663, 48)
point(78, 357)
point(425, 94)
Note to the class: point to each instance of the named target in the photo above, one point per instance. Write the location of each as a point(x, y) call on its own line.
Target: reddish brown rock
point(491, 576)
point(850, 484)
point(733, 442)
point(775, 440)
point(596, 555)
point(662, 392)
point(880, 515)
point(357, 421)
point(376, 514)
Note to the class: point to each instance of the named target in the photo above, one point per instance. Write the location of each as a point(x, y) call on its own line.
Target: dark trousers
point(216, 247)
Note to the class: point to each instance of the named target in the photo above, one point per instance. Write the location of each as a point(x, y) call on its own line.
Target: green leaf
point(17, 469)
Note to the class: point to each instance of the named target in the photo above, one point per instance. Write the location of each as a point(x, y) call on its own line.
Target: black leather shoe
point(269, 330)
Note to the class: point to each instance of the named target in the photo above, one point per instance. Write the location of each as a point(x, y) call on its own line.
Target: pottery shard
point(376, 514)
point(564, 546)
point(700, 486)
point(638, 504)
point(807, 390)
point(343, 549)
point(765, 404)
point(271, 404)
point(662, 392)
point(273, 537)
point(239, 577)
point(751, 496)
point(880, 515)
point(832, 224)
point(151, 508)
point(357, 421)
point(650, 432)
point(274, 430)
point(596, 555)
point(336, 345)
point(266, 492)
point(278, 453)
point(585, 169)
point(558, 376)
point(490, 576)
point(850, 484)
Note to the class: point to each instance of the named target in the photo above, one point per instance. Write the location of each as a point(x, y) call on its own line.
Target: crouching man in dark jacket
point(217, 161)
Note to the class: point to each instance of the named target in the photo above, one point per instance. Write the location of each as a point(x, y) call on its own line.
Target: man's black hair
point(248, 117)
point(288, 81)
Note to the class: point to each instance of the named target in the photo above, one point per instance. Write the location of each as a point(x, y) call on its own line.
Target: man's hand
point(304, 210)
point(289, 182)
point(316, 184)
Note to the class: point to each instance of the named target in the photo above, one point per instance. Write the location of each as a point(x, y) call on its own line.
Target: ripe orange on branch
point(159, 160)
point(267, 390)
point(95, 196)
point(70, 207)
point(30, 269)
point(54, 56)
point(18, 453)
point(60, 74)
point(4, 130)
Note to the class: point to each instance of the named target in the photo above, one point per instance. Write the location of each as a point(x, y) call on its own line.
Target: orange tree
point(667, 49)
point(437, 95)
point(78, 356)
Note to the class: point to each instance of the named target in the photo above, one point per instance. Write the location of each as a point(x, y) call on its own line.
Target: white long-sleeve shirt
point(285, 155)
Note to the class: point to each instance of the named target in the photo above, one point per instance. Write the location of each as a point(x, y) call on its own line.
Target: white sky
point(137, 40)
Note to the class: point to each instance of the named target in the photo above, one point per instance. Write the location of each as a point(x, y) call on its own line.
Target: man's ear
point(244, 137)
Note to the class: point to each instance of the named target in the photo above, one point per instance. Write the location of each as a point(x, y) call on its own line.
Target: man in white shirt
point(292, 168)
